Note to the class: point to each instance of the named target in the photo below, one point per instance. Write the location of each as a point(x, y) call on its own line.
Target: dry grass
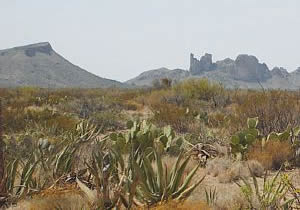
point(273, 155)
point(181, 206)
point(65, 198)
point(227, 170)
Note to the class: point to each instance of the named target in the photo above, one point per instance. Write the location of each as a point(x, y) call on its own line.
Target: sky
point(119, 39)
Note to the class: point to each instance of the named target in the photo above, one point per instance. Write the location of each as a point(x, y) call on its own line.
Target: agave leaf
point(60, 159)
point(174, 169)
point(26, 167)
point(178, 175)
point(12, 174)
point(27, 178)
point(273, 182)
point(150, 174)
point(255, 185)
point(187, 181)
point(186, 193)
point(159, 171)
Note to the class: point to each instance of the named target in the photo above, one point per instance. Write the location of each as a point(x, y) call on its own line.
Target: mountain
point(244, 72)
point(39, 65)
point(148, 77)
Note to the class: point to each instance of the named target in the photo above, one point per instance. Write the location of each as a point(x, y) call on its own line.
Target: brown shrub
point(182, 206)
point(275, 109)
point(272, 155)
point(167, 112)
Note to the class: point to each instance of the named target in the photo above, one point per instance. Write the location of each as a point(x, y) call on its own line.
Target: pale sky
point(118, 39)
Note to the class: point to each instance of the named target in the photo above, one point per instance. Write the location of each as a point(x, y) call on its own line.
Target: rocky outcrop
point(279, 71)
point(199, 66)
point(249, 69)
point(39, 65)
point(245, 67)
point(244, 72)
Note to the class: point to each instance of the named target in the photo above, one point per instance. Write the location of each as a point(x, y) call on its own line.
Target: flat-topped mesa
point(199, 66)
point(31, 50)
point(44, 47)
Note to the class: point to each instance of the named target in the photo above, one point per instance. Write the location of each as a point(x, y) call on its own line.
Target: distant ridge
point(244, 72)
point(39, 65)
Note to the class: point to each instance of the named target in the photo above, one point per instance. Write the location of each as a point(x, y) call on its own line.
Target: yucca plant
point(159, 184)
point(211, 196)
point(273, 195)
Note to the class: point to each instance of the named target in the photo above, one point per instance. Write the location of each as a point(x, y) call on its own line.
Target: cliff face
point(39, 65)
point(199, 66)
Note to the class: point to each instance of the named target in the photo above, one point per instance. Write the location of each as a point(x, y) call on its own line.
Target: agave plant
point(22, 172)
point(107, 169)
point(158, 184)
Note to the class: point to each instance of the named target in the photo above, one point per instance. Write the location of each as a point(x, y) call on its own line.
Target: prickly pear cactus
point(144, 135)
point(242, 140)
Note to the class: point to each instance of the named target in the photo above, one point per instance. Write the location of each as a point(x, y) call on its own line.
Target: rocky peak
point(279, 71)
point(199, 66)
point(297, 71)
point(249, 69)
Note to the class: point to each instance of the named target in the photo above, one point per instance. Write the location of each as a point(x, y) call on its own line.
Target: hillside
point(39, 65)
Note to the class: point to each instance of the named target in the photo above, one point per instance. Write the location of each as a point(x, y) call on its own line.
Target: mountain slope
point(148, 77)
point(39, 65)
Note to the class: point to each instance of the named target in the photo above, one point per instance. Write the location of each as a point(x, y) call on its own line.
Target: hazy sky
point(119, 39)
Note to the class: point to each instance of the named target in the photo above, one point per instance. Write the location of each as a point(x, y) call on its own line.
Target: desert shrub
point(272, 155)
point(16, 120)
point(168, 113)
point(107, 120)
point(228, 170)
point(59, 198)
point(217, 166)
point(181, 206)
point(201, 89)
point(217, 119)
point(240, 170)
point(256, 168)
point(275, 109)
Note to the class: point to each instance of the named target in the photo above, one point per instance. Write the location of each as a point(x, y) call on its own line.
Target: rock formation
point(199, 66)
point(243, 72)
